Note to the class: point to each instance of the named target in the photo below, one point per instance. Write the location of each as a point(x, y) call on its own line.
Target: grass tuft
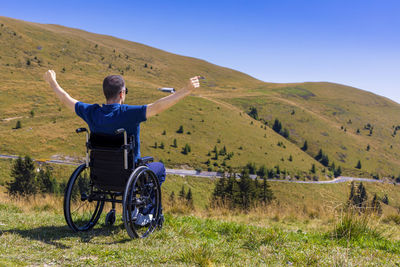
point(352, 226)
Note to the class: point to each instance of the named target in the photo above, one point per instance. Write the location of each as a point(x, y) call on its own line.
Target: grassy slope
point(183, 241)
point(211, 237)
point(321, 108)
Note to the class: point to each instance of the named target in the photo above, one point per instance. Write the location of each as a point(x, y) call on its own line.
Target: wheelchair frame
point(85, 197)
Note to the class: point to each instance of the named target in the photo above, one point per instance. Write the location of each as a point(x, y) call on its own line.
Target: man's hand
point(50, 76)
point(168, 101)
point(66, 99)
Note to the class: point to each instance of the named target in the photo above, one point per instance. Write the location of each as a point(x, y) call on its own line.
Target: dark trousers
point(159, 169)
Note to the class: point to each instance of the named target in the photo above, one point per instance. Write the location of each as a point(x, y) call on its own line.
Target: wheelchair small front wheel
point(110, 218)
point(81, 212)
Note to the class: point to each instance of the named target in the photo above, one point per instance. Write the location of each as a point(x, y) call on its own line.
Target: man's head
point(114, 88)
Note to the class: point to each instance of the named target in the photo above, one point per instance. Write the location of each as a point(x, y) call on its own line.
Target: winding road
point(205, 174)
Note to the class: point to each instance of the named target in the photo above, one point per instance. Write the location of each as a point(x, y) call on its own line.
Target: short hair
point(112, 85)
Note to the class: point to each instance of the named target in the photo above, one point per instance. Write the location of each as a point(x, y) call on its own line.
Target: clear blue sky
point(353, 42)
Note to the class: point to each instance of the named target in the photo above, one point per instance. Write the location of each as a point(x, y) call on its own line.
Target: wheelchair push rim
point(80, 211)
point(142, 197)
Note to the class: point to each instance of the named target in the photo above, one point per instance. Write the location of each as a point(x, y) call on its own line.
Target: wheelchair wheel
point(110, 218)
point(80, 211)
point(141, 203)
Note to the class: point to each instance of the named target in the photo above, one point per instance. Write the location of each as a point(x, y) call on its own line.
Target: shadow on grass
point(53, 235)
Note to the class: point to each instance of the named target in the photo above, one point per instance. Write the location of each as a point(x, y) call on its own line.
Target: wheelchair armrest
point(79, 130)
point(144, 160)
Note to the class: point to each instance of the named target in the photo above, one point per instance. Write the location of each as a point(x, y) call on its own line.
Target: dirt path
point(12, 118)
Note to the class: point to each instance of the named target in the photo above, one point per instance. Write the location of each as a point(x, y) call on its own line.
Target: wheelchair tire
point(80, 213)
point(142, 197)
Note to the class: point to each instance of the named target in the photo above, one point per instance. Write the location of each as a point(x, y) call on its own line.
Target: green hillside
point(215, 115)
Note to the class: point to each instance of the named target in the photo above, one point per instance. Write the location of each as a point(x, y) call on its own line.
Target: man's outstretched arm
point(66, 99)
point(168, 101)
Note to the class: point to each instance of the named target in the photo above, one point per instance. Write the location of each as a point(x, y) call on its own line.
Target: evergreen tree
point(325, 160)
point(337, 172)
point(189, 198)
point(186, 149)
point(180, 130)
point(278, 170)
point(246, 189)
point(305, 146)
point(219, 190)
point(277, 127)
point(319, 155)
point(236, 195)
point(155, 145)
point(182, 193)
point(45, 182)
point(313, 170)
point(162, 145)
point(175, 143)
point(251, 167)
point(24, 183)
point(267, 194)
point(262, 171)
point(253, 113)
point(18, 125)
point(358, 166)
point(376, 205)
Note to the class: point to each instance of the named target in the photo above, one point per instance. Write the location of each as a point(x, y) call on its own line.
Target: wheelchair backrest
point(107, 161)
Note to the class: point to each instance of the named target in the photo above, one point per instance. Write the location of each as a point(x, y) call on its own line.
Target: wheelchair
point(110, 174)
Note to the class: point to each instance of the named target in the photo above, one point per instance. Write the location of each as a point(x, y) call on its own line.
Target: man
point(114, 114)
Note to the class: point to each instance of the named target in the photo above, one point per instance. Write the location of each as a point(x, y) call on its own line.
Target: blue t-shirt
point(108, 118)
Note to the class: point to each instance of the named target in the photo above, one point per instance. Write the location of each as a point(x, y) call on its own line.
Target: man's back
point(106, 119)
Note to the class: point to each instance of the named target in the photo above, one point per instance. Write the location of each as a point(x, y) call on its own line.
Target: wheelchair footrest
point(144, 160)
